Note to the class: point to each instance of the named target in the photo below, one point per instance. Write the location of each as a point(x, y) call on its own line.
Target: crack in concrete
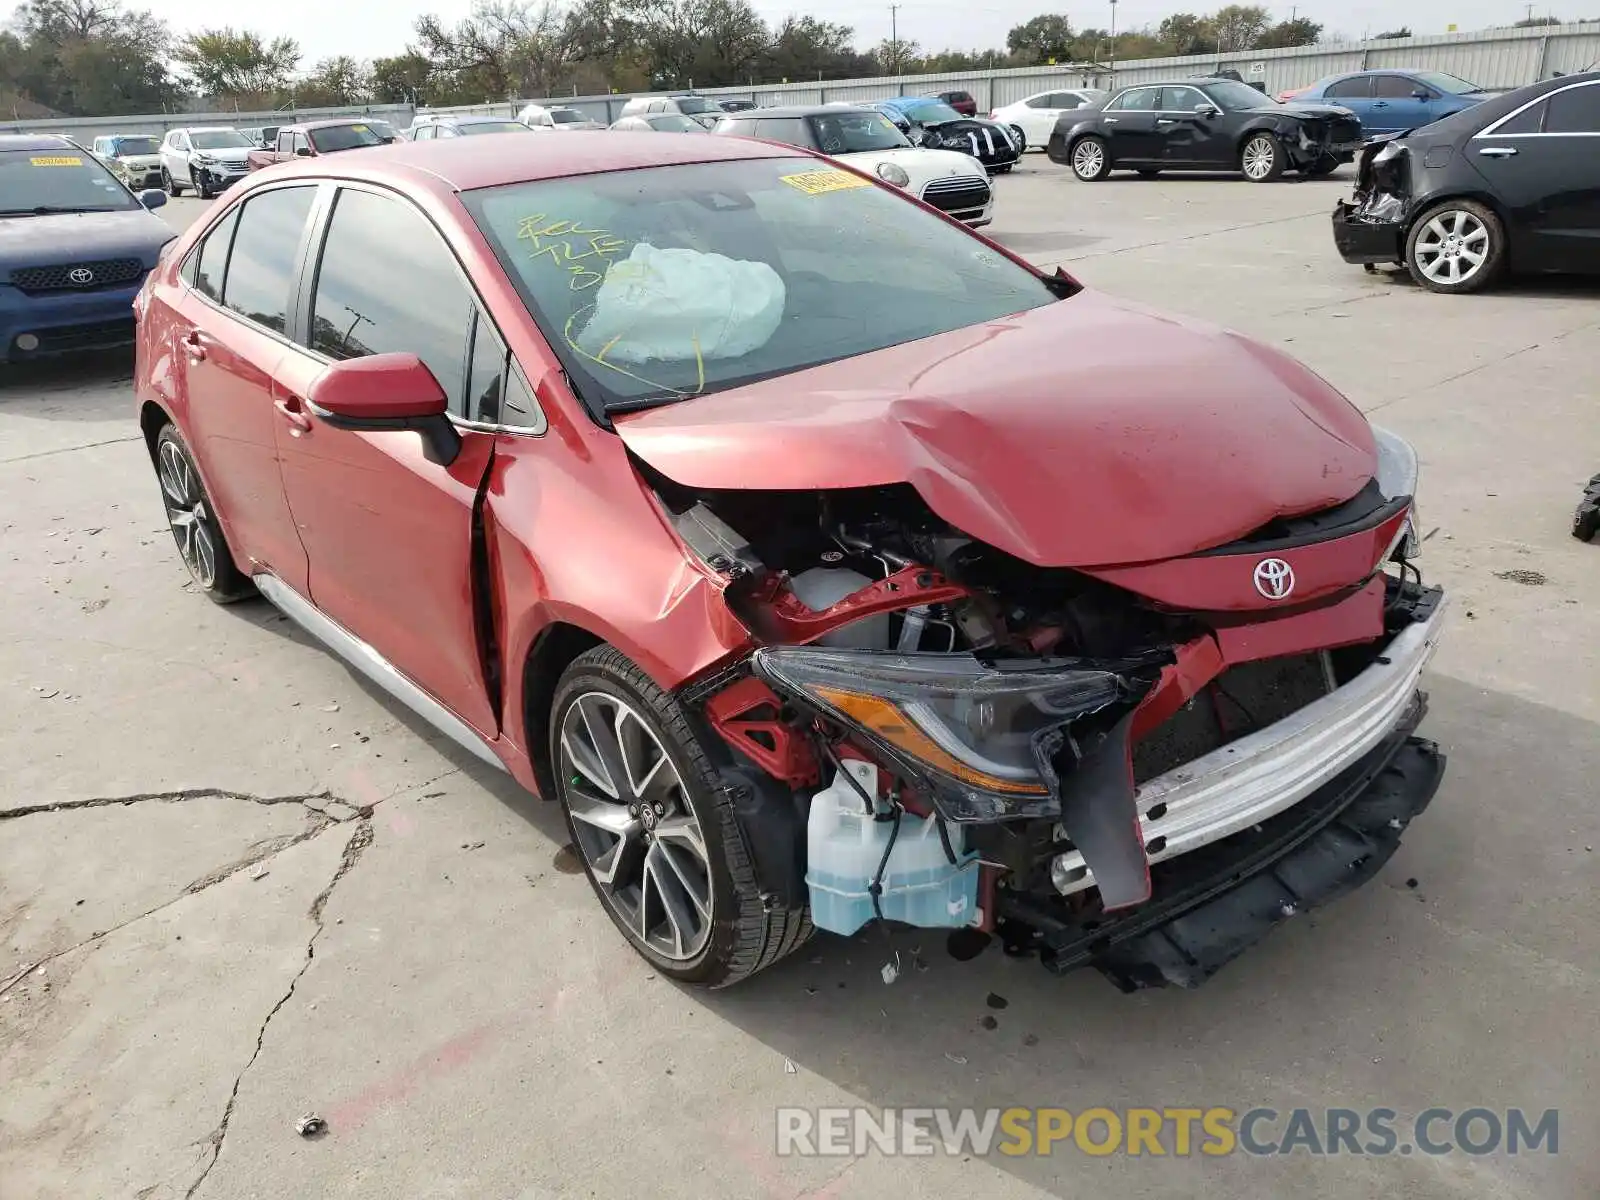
point(354, 848)
point(138, 437)
point(166, 798)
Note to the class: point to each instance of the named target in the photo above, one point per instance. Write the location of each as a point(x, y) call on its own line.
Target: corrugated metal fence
point(1497, 58)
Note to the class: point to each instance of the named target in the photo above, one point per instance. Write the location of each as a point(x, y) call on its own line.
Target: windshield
point(1450, 85)
point(57, 181)
point(930, 112)
point(566, 116)
point(659, 284)
point(1231, 94)
point(853, 132)
point(492, 127)
point(220, 139)
point(344, 137)
point(128, 146)
point(696, 104)
point(674, 123)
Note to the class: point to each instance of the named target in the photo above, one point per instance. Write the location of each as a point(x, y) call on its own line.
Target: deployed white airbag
point(679, 305)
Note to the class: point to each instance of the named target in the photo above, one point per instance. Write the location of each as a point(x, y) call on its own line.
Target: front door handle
point(1498, 152)
point(1380, 104)
point(195, 344)
point(1111, 120)
point(1165, 121)
point(291, 410)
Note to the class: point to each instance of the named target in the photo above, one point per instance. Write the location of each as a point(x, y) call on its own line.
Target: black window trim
point(1204, 98)
point(310, 264)
point(1489, 131)
point(290, 313)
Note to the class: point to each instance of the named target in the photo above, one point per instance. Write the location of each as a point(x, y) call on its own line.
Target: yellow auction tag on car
point(57, 160)
point(814, 183)
point(358, 128)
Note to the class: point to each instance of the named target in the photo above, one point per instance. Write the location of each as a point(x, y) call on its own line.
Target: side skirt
point(374, 666)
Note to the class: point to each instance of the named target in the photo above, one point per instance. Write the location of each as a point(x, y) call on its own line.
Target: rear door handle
point(291, 410)
point(195, 343)
point(1498, 152)
point(1380, 104)
point(1111, 120)
point(1166, 121)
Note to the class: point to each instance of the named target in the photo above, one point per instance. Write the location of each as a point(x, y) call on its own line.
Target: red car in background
point(322, 137)
point(763, 518)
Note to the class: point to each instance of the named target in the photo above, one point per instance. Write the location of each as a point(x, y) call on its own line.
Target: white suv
point(205, 160)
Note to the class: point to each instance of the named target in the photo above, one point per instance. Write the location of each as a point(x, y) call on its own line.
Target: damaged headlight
point(961, 725)
point(1398, 475)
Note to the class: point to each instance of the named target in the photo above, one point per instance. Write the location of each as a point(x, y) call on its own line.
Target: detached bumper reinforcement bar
point(1212, 905)
point(1264, 773)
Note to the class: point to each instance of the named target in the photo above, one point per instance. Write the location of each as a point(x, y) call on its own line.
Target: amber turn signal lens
point(883, 719)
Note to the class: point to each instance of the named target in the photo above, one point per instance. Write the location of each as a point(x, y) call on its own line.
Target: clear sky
point(370, 28)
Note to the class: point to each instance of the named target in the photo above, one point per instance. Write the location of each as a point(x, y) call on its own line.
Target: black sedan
point(934, 124)
point(1509, 184)
point(1204, 125)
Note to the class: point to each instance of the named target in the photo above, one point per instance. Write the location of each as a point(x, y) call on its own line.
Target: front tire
point(1456, 247)
point(170, 183)
point(201, 543)
point(1261, 158)
point(655, 830)
point(203, 186)
point(1091, 159)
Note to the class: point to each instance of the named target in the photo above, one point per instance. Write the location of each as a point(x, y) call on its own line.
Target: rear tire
point(1456, 247)
point(1091, 159)
point(1261, 158)
point(202, 545)
point(170, 184)
point(708, 924)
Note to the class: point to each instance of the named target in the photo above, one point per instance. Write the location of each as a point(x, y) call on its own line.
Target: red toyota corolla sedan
point(827, 563)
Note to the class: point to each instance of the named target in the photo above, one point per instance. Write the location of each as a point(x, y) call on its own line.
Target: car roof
point(327, 123)
point(794, 110)
point(463, 164)
point(1500, 105)
point(34, 141)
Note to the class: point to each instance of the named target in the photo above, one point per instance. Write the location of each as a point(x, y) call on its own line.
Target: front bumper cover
point(1211, 906)
point(1362, 239)
point(1251, 779)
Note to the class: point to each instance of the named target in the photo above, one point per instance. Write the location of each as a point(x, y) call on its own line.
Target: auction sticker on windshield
point(59, 160)
point(815, 183)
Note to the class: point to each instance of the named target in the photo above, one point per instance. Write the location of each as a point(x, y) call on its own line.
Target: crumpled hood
point(81, 237)
point(1308, 108)
point(1088, 432)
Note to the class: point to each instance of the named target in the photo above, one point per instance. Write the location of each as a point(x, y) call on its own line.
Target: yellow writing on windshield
point(583, 253)
point(815, 183)
point(57, 160)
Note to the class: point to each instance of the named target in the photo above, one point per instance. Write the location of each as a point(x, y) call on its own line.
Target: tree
point(503, 49)
point(897, 56)
point(86, 57)
point(237, 64)
point(335, 81)
point(1403, 32)
point(1302, 31)
point(1535, 22)
point(1041, 39)
point(809, 48)
point(1240, 26)
point(399, 80)
point(1185, 33)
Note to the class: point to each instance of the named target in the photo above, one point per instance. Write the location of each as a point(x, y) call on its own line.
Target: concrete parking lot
point(236, 886)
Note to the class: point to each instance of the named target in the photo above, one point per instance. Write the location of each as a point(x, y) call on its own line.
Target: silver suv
point(204, 160)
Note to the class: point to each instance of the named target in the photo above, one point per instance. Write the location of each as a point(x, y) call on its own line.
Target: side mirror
point(387, 392)
point(152, 198)
point(1421, 94)
point(303, 152)
point(1207, 110)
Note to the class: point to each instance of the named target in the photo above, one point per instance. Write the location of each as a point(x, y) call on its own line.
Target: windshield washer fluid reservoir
point(845, 844)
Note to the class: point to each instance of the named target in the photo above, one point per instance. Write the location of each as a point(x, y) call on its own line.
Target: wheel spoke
point(642, 757)
point(1437, 229)
point(205, 555)
point(602, 814)
point(582, 759)
point(1459, 220)
point(601, 728)
point(616, 866)
point(686, 876)
point(1475, 257)
point(1479, 234)
point(685, 830)
point(663, 882)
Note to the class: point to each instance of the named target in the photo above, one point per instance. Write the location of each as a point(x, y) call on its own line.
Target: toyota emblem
point(1274, 578)
point(81, 276)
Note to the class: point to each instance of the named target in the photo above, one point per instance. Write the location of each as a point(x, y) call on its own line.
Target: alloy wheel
point(634, 826)
point(1088, 158)
point(187, 514)
point(1452, 247)
point(1260, 156)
